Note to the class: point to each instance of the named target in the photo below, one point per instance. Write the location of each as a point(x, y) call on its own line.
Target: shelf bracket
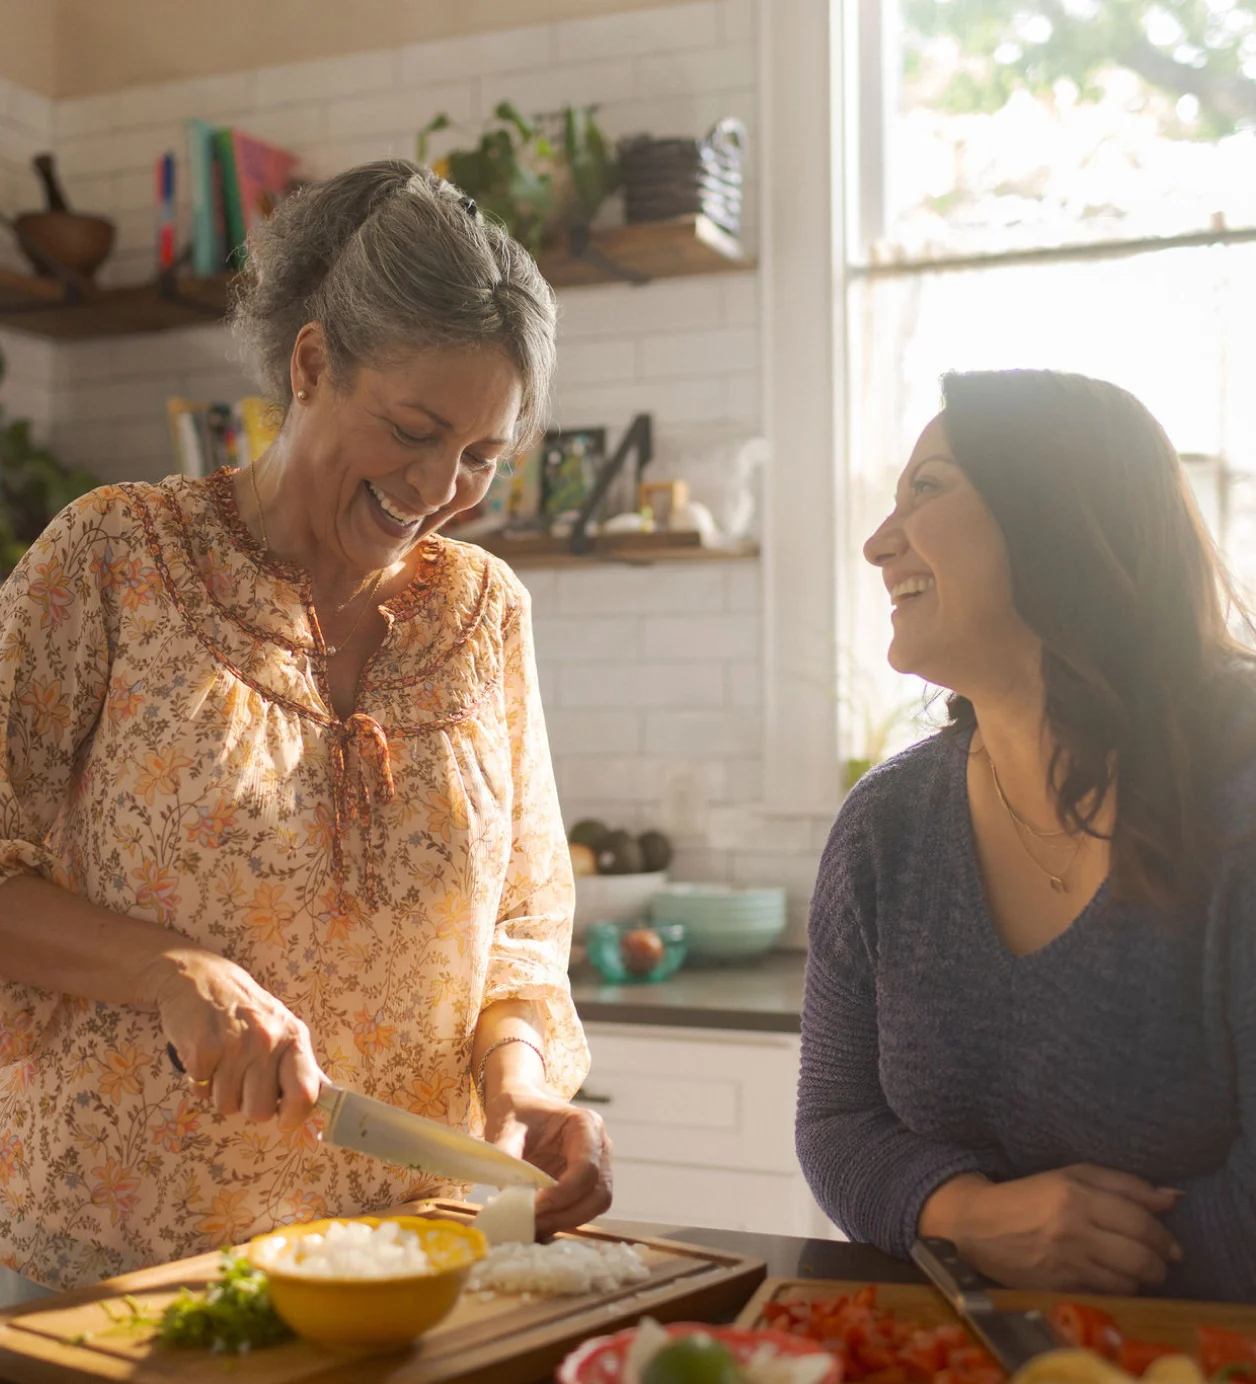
point(581, 247)
point(639, 438)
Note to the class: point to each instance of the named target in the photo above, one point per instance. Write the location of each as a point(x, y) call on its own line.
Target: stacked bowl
point(722, 923)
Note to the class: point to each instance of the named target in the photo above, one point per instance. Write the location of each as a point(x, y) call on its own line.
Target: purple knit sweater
point(929, 1049)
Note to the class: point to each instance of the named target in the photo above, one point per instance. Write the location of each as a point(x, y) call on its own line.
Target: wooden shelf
point(635, 549)
point(648, 250)
point(44, 307)
point(637, 253)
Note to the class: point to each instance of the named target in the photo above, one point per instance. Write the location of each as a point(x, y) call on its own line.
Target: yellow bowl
point(373, 1312)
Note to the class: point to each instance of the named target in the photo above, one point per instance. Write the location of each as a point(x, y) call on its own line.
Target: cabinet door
point(716, 1198)
point(697, 1097)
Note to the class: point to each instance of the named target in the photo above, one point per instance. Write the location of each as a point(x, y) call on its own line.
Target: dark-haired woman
point(274, 780)
point(1030, 1016)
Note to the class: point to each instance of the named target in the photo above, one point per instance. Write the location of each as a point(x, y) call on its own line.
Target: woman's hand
point(563, 1140)
point(253, 1052)
point(1080, 1229)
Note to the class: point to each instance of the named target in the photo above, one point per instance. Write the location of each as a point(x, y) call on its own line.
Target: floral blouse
point(169, 750)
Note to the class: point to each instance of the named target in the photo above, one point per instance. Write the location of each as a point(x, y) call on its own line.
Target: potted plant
point(34, 486)
point(533, 184)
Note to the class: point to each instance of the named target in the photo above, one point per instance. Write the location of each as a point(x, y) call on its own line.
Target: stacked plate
point(722, 923)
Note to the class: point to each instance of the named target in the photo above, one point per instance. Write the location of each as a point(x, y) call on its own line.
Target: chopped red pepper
point(1219, 1347)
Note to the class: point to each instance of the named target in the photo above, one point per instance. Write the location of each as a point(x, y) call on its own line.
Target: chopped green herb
point(1237, 1369)
point(234, 1314)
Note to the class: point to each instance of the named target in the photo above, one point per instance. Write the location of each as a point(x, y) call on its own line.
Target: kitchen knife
point(1013, 1338)
point(365, 1125)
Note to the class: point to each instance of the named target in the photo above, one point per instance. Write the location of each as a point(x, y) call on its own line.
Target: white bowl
point(614, 898)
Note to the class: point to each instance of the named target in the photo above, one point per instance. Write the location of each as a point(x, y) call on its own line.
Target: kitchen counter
point(763, 996)
point(786, 1256)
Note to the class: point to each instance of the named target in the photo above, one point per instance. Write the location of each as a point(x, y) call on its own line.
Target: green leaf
point(507, 111)
point(437, 122)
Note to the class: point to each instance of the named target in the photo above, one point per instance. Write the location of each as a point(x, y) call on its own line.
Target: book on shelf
point(209, 435)
point(235, 181)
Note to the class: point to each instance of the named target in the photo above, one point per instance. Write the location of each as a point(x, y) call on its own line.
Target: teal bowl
point(635, 952)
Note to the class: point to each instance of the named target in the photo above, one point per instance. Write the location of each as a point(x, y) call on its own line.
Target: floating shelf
point(636, 549)
point(45, 307)
point(647, 250)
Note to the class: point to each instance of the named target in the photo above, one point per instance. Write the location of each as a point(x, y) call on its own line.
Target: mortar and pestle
point(60, 239)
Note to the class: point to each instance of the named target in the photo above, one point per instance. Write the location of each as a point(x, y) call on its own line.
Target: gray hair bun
point(388, 258)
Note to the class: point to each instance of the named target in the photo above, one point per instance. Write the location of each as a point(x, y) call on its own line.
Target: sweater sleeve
point(869, 1172)
point(1215, 1221)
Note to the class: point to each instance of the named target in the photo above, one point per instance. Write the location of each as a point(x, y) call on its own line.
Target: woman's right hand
point(230, 1032)
point(1078, 1229)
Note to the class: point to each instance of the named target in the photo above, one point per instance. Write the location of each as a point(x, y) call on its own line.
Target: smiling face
point(944, 562)
point(390, 456)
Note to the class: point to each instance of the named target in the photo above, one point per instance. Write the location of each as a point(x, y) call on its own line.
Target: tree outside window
point(1049, 183)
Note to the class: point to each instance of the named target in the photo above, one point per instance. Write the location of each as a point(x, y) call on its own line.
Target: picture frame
point(570, 461)
point(512, 502)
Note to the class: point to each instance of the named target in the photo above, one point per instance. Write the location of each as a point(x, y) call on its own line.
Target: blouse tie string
point(361, 776)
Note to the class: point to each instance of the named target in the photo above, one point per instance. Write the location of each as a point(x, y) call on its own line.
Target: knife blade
point(1013, 1338)
point(366, 1125)
point(363, 1124)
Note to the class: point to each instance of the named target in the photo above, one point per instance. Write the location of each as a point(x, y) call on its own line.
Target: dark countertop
point(763, 996)
point(786, 1256)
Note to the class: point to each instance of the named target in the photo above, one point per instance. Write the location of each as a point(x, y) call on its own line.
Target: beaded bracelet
point(501, 1043)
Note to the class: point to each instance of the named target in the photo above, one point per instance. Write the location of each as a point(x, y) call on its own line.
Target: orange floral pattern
point(168, 750)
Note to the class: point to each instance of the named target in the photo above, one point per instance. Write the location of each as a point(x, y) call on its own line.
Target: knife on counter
point(1013, 1338)
point(366, 1125)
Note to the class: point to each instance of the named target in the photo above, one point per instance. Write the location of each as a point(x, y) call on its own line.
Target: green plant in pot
point(533, 184)
point(34, 487)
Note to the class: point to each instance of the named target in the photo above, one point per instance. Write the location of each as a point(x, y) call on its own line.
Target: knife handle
point(947, 1270)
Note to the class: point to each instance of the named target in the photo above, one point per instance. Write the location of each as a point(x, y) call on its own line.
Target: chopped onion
point(348, 1249)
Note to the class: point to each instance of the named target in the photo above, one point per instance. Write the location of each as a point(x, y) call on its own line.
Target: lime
point(693, 1360)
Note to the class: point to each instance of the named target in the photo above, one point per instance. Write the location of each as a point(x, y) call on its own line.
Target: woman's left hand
point(564, 1140)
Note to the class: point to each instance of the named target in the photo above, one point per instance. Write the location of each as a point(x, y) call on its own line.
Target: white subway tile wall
point(646, 672)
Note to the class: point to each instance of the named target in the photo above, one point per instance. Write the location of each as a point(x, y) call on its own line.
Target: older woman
point(274, 782)
point(1030, 1016)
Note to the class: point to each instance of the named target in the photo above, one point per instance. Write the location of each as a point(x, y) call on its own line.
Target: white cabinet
point(702, 1121)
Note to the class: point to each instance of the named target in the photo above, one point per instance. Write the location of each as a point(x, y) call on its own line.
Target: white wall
point(652, 677)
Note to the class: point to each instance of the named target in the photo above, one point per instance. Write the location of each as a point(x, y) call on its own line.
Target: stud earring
point(302, 395)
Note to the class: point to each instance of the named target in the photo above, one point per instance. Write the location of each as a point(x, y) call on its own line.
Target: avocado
point(656, 850)
point(619, 854)
point(589, 832)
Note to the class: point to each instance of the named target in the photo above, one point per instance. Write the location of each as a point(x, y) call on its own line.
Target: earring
point(302, 395)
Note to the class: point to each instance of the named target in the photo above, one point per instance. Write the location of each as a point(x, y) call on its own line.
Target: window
point(1045, 183)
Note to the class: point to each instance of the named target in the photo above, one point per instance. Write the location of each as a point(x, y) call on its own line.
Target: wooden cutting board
point(1167, 1321)
point(507, 1340)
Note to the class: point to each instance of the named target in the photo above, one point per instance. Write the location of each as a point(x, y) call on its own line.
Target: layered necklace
point(376, 583)
point(1058, 880)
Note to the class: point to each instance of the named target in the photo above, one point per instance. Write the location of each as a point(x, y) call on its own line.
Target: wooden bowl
point(76, 242)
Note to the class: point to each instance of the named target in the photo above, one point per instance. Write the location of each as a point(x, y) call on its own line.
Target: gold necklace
point(1055, 880)
point(332, 649)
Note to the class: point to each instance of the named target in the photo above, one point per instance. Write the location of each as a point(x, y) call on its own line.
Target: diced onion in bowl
point(348, 1249)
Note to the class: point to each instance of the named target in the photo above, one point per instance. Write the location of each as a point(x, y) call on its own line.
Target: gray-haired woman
point(274, 781)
